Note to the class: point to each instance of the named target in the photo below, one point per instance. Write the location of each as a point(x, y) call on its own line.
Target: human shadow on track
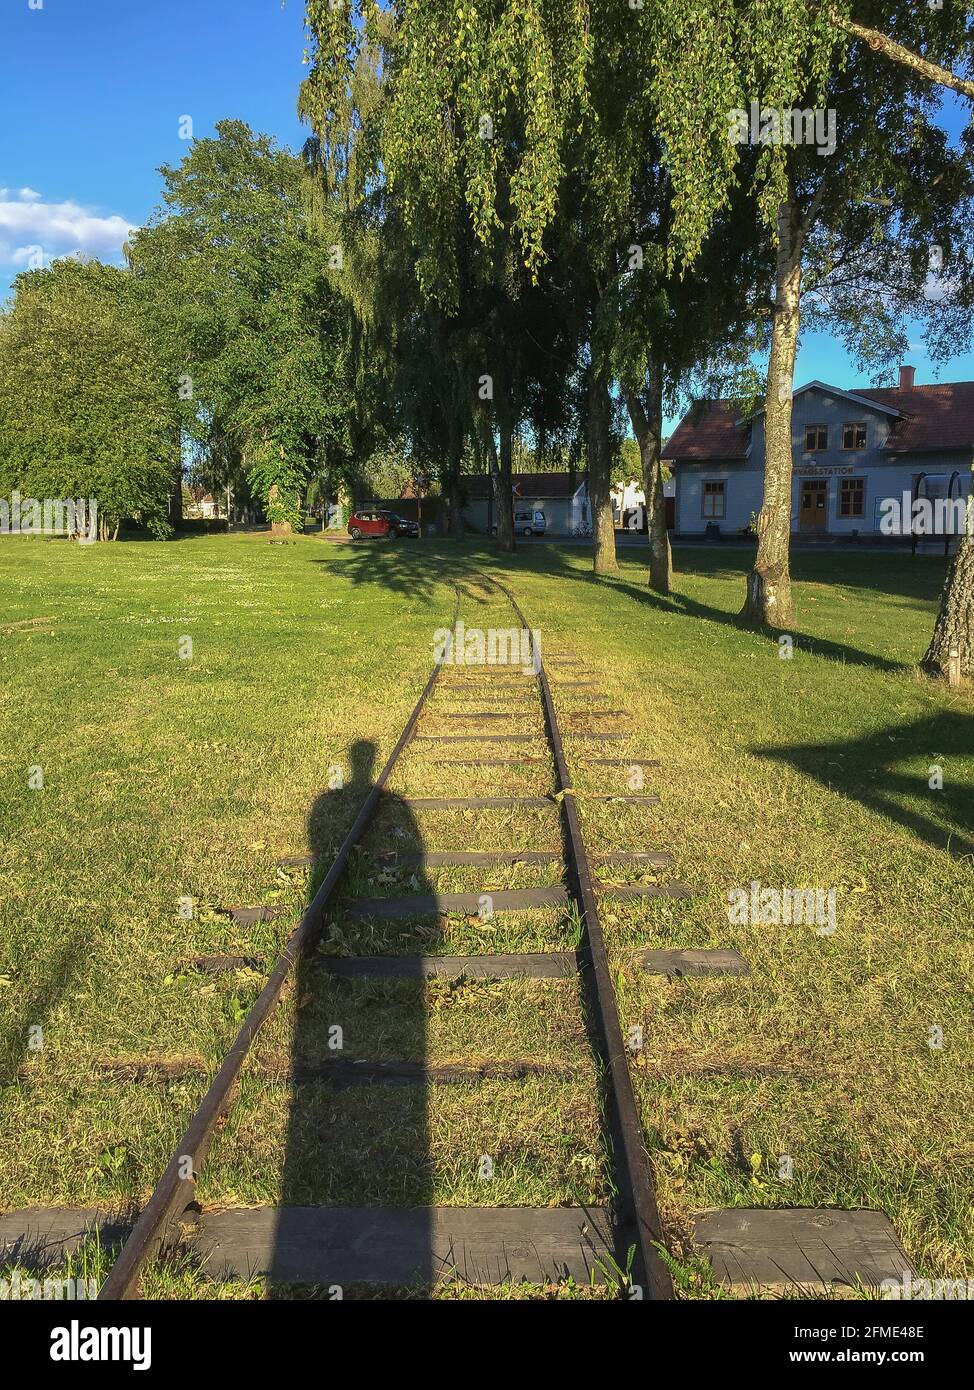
point(351, 1144)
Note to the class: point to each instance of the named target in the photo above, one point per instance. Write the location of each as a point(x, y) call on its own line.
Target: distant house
point(562, 497)
point(203, 505)
point(850, 449)
point(629, 504)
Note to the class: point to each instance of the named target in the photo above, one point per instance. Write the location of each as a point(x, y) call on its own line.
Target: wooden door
point(813, 504)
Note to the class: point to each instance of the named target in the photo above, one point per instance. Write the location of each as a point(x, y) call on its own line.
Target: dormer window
point(854, 436)
point(816, 438)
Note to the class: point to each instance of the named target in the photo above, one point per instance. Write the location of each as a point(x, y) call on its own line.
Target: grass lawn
point(168, 778)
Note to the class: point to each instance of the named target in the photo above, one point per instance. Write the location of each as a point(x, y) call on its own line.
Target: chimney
point(906, 378)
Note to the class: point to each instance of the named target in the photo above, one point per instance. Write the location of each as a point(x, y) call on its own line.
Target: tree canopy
point(245, 304)
point(84, 408)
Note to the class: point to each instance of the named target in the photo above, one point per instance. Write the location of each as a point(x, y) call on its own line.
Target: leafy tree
point(950, 39)
point(85, 411)
point(245, 302)
point(853, 238)
point(523, 115)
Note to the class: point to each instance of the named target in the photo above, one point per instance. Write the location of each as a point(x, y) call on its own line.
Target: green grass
point(167, 778)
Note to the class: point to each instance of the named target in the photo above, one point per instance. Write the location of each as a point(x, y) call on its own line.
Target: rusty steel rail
point(638, 1222)
point(175, 1190)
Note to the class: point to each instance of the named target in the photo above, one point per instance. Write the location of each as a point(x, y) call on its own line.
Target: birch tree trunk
point(768, 602)
point(954, 628)
point(343, 501)
point(599, 480)
point(646, 416)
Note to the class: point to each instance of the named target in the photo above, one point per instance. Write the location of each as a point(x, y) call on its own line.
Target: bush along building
point(855, 454)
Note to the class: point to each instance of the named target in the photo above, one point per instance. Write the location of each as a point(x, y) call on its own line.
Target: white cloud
point(29, 225)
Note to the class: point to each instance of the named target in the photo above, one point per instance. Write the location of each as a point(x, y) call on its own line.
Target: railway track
point(624, 1237)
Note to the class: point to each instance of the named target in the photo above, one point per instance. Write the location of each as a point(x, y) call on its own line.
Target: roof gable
point(923, 419)
point(857, 398)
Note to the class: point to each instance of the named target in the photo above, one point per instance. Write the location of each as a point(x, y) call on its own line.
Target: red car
point(387, 524)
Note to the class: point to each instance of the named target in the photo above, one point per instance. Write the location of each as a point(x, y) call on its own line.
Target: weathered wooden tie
point(481, 714)
point(424, 904)
point(435, 858)
point(534, 965)
point(460, 803)
point(620, 762)
point(406, 1246)
point(811, 1249)
point(537, 965)
point(248, 916)
point(690, 962)
point(478, 738)
point(489, 762)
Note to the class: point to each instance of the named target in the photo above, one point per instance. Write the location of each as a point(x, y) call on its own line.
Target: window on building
point(853, 436)
point(816, 438)
point(852, 492)
point(713, 501)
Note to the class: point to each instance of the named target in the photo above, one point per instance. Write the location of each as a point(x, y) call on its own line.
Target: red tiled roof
point(934, 417)
point(531, 485)
point(709, 430)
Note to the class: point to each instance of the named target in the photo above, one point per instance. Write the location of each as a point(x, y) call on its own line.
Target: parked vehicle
point(527, 523)
point(380, 523)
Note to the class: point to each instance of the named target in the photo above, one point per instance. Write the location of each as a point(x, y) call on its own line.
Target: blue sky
point(92, 92)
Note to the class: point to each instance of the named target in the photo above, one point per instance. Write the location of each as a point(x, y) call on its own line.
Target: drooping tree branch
point(899, 53)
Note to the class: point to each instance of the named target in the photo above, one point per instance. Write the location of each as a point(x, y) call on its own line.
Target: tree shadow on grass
point(864, 770)
point(350, 1144)
point(415, 569)
point(896, 573)
point(680, 604)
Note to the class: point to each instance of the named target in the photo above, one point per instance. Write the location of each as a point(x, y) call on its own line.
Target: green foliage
point(627, 463)
point(535, 69)
point(386, 472)
point(84, 408)
point(244, 299)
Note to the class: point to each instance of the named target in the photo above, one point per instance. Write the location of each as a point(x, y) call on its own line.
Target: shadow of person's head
point(361, 759)
point(347, 787)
